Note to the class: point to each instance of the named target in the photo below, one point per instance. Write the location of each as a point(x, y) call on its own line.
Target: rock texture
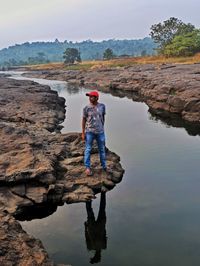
point(17, 247)
point(39, 167)
point(168, 90)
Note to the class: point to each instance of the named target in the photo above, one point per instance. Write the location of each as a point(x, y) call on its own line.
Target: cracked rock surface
point(17, 247)
point(166, 89)
point(39, 166)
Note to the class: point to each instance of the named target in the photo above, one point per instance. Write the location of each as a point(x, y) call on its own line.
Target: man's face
point(93, 99)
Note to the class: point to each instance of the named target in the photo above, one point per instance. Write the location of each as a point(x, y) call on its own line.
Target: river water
point(153, 215)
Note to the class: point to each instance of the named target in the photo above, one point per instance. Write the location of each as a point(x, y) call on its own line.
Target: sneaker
point(88, 172)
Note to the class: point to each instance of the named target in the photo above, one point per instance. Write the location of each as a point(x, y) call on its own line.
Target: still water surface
point(153, 215)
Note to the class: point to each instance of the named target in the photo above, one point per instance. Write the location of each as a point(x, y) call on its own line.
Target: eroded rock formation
point(17, 247)
point(166, 89)
point(40, 166)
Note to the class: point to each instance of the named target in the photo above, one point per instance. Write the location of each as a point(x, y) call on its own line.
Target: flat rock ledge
point(169, 90)
point(40, 168)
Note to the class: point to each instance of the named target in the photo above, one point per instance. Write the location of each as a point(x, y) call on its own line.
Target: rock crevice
point(40, 168)
point(168, 90)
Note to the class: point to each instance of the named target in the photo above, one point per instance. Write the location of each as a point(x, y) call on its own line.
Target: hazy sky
point(76, 20)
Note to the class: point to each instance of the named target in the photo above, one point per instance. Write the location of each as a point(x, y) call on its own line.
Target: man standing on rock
point(93, 128)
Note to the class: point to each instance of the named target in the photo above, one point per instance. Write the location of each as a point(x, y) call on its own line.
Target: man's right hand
point(83, 136)
point(83, 128)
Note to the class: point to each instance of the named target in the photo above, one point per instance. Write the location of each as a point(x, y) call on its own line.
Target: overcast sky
point(76, 20)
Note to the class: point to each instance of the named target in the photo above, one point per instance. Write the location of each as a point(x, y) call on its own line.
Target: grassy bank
point(120, 62)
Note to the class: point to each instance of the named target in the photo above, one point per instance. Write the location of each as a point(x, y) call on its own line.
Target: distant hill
point(42, 52)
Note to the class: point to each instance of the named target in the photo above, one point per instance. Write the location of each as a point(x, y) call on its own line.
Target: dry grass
point(120, 62)
point(48, 66)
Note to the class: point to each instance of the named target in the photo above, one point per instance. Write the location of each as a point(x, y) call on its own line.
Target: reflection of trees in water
point(95, 229)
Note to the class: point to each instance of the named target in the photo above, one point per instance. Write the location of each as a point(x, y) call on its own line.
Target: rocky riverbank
point(169, 90)
point(40, 168)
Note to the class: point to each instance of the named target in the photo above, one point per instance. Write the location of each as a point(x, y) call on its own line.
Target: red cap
point(93, 93)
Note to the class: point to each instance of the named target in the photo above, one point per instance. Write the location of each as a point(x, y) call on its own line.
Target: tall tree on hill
point(71, 55)
point(108, 54)
point(163, 33)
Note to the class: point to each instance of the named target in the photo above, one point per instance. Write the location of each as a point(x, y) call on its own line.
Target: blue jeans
point(100, 139)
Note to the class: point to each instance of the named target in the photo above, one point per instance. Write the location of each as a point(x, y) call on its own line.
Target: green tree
point(71, 55)
point(184, 45)
point(163, 33)
point(108, 54)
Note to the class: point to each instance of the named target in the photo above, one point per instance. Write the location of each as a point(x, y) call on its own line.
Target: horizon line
point(74, 41)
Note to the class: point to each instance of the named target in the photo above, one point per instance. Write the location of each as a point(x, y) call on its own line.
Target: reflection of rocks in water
point(193, 129)
point(170, 119)
point(39, 167)
point(73, 89)
point(95, 229)
point(19, 248)
point(70, 88)
point(164, 88)
point(133, 95)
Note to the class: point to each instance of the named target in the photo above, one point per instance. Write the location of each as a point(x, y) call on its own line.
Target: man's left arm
point(104, 112)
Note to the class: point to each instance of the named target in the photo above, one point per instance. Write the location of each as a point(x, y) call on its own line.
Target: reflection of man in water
point(95, 231)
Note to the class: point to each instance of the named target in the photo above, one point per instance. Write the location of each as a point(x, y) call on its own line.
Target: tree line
point(53, 51)
point(173, 38)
